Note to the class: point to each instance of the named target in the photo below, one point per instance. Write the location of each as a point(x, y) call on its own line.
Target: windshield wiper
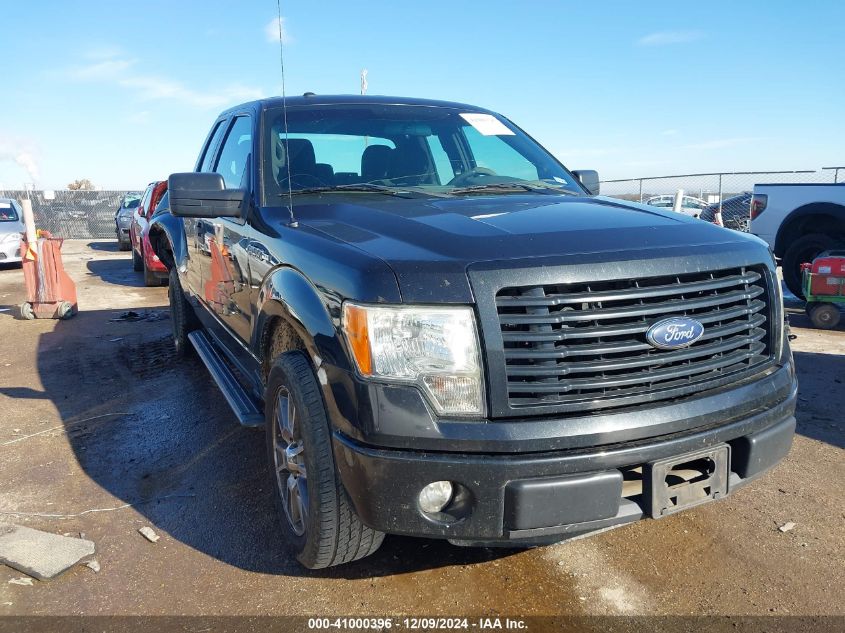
point(363, 186)
point(369, 187)
point(513, 186)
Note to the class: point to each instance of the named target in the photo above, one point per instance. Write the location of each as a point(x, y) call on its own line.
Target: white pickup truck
point(799, 222)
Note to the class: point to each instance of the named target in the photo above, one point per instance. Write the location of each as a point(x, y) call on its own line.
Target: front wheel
point(137, 261)
point(317, 517)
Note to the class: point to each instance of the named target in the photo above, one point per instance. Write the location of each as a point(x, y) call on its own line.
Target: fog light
point(435, 496)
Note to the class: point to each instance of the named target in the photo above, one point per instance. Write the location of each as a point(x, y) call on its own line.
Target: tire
point(137, 261)
point(805, 249)
point(65, 310)
point(27, 312)
point(825, 316)
point(182, 318)
point(328, 532)
point(150, 278)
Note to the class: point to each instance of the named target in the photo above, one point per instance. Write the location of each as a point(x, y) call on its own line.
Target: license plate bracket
point(684, 481)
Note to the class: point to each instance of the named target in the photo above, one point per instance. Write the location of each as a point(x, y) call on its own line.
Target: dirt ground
point(97, 414)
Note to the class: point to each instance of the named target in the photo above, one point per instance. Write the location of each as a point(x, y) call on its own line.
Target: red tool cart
point(50, 292)
point(824, 288)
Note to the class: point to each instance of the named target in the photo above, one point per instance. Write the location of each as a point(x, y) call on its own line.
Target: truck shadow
point(154, 432)
point(821, 397)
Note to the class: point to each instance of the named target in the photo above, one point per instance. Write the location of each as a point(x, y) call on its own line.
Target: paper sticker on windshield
point(5, 205)
point(486, 124)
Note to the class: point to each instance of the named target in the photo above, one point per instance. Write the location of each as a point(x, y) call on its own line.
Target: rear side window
point(442, 164)
point(235, 153)
point(208, 152)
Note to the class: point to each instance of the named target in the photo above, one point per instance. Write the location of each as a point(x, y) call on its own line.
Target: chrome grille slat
point(646, 360)
point(629, 345)
point(635, 328)
point(585, 342)
point(636, 293)
point(674, 305)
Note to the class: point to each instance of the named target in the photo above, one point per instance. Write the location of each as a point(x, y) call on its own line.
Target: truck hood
point(430, 243)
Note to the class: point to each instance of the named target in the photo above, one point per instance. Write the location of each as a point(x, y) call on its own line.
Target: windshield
point(435, 150)
point(8, 212)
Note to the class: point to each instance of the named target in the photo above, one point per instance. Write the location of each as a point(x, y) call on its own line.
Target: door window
point(235, 153)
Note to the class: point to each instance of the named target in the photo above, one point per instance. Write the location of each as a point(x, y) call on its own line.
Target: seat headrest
point(375, 162)
point(301, 154)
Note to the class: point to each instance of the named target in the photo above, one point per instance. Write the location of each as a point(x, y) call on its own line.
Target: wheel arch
point(166, 234)
point(825, 217)
point(291, 308)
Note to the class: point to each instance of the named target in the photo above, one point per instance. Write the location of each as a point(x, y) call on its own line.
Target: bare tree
point(81, 185)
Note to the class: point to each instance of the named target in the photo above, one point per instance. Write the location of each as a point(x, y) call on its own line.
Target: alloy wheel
point(289, 463)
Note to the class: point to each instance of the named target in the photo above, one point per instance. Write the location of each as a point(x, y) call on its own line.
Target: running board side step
point(244, 407)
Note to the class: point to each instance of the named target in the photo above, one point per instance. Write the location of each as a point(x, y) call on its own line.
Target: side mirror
point(203, 195)
point(590, 179)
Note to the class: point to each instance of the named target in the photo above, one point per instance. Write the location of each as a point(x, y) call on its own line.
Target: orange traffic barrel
point(50, 292)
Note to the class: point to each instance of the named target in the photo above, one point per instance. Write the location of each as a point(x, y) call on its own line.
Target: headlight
point(10, 237)
point(433, 348)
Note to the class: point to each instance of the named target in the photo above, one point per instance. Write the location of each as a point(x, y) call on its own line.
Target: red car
point(143, 257)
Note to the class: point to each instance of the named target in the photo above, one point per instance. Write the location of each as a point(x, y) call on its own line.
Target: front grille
point(585, 343)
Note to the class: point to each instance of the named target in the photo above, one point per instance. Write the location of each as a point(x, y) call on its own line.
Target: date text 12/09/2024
point(424, 624)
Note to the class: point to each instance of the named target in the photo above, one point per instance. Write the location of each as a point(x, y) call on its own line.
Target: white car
point(799, 222)
point(689, 206)
point(11, 228)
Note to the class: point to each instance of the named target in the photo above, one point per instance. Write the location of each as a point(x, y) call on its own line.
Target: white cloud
point(662, 38)
point(271, 30)
point(120, 70)
point(152, 88)
point(722, 143)
point(105, 69)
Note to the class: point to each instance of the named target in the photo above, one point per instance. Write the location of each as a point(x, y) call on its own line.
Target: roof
point(318, 100)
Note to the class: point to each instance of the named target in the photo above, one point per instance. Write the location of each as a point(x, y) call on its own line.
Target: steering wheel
point(465, 178)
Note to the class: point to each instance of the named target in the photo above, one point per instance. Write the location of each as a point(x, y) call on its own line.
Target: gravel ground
point(97, 414)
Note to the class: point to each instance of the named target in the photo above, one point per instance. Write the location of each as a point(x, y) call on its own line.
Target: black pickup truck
point(445, 333)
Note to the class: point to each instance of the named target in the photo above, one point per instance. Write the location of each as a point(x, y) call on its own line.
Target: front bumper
point(10, 252)
point(498, 501)
point(123, 235)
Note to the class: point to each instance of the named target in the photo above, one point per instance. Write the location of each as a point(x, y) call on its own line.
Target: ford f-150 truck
point(799, 222)
point(445, 333)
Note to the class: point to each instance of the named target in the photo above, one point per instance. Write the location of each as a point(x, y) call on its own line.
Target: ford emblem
point(674, 333)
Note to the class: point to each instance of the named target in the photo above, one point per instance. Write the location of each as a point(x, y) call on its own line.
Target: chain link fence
point(705, 194)
point(73, 214)
point(90, 214)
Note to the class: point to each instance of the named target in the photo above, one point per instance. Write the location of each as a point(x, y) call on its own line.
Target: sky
point(123, 93)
